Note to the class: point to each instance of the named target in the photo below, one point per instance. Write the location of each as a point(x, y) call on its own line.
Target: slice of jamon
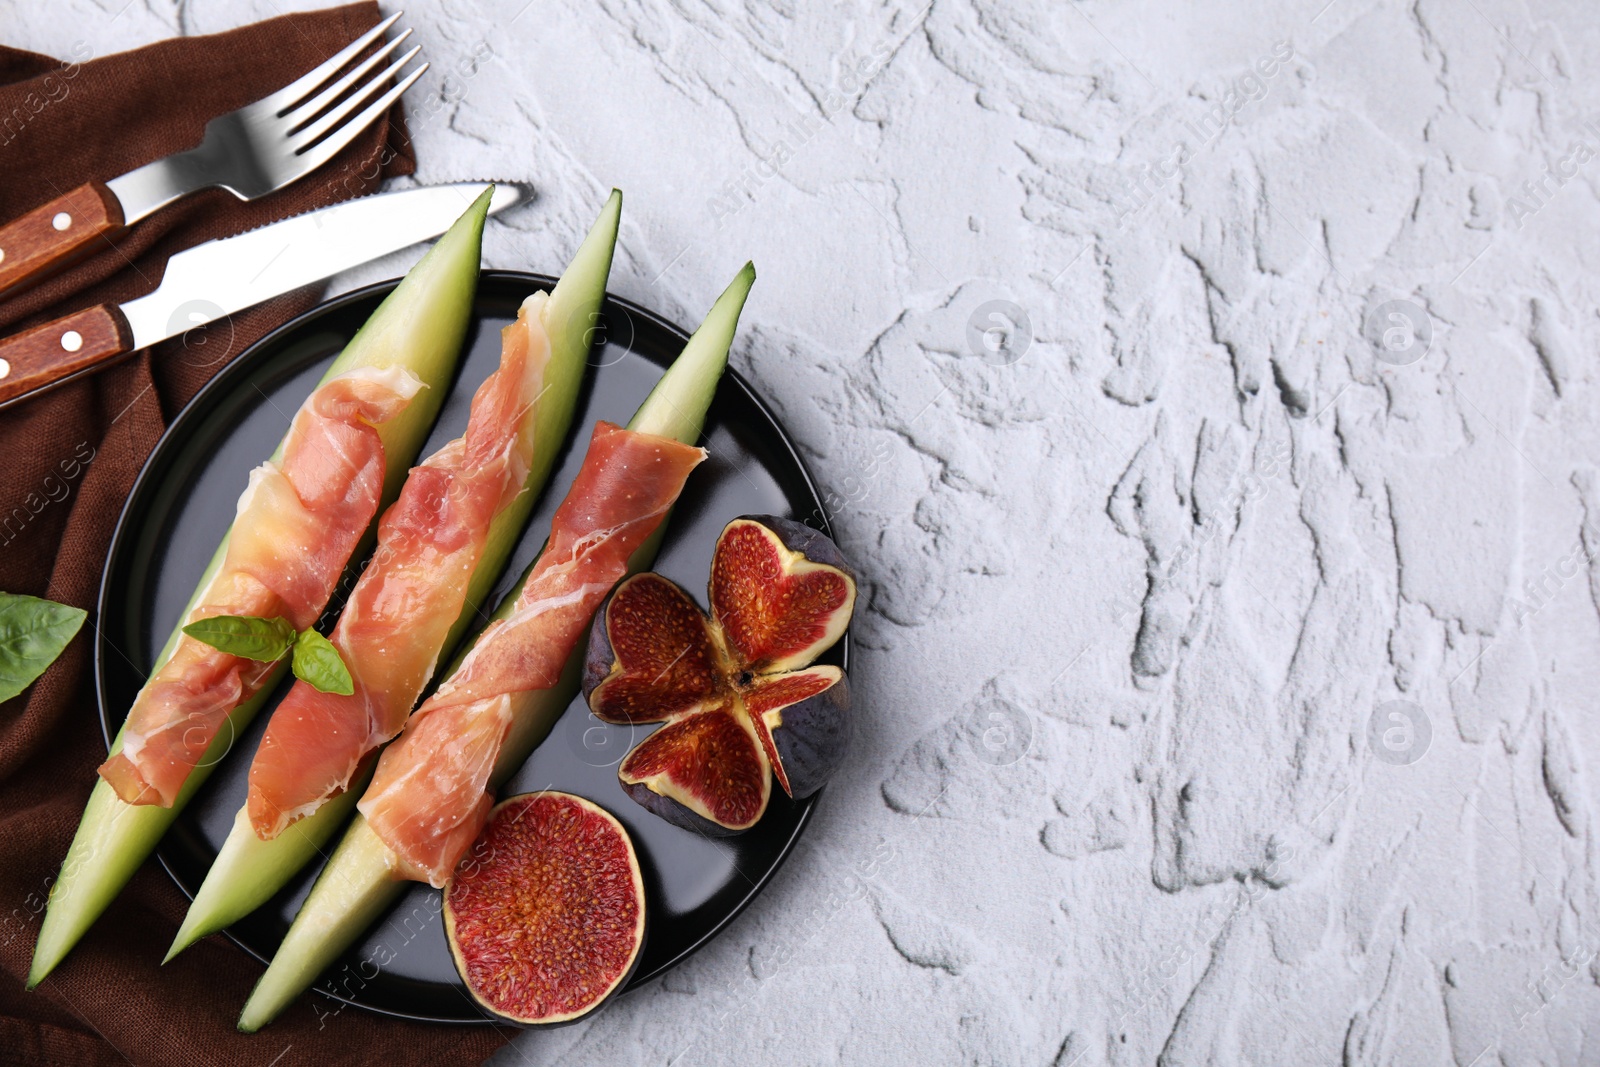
point(626, 486)
point(298, 521)
point(394, 626)
point(435, 796)
point(428, 797)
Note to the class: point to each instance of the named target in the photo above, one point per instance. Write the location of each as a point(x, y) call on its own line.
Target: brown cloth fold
point(70, 457)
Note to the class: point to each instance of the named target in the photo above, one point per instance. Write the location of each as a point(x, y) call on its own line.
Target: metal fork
point(250, 152)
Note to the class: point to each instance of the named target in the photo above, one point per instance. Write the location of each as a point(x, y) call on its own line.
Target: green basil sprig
point(316, 662)
point(264, 640)
point(33, 633)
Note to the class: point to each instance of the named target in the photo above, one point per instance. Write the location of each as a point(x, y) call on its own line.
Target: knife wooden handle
point(48, 355)
point(49, 236)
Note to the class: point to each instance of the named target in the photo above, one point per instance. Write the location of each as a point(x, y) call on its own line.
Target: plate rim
point(224, 380)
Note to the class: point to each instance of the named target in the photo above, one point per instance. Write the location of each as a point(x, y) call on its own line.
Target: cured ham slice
point(298, 521)
point(429, 796)
point(395, 623)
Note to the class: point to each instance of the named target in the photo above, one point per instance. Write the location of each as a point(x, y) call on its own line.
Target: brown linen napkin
point(67, 461)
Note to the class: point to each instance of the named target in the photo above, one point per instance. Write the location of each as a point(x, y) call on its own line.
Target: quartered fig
point(545, 915)
point(739, 700)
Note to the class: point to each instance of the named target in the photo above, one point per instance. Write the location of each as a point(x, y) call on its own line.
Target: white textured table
point(1227, 678)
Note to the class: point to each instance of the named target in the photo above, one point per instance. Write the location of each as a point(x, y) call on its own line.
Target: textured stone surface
point(1168, 587)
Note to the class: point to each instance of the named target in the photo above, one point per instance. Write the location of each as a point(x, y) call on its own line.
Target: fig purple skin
point(601, 657)
point(814, 738)
point(811, 543)
point(675, 813)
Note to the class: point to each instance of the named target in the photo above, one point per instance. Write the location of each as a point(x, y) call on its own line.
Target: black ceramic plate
point(183, 502)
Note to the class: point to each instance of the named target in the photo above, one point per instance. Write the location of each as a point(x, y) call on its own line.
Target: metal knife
point(217, 278)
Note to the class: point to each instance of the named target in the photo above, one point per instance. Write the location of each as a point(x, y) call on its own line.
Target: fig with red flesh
point(545, 915)
point(739, 699)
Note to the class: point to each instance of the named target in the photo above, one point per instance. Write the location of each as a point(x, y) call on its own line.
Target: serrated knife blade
point(220, 277)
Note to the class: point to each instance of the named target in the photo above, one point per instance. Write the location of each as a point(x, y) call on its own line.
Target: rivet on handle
point(72, 340)
point(5, 368)
point(61, 221)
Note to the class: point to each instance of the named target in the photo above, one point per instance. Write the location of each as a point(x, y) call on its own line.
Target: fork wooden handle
point(48, 237)
point(48, 355)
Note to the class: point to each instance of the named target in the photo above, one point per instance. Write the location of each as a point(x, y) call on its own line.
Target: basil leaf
point(33, 633)
point(265, 640)
point(317, 663)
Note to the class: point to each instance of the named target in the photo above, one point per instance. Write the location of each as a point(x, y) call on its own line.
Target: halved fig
point(545, 915)
point(738, 697)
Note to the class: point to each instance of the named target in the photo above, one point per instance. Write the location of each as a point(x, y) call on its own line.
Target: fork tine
point(316, 157)
point(306, 84)
point(301, 114)
point(333, 118)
